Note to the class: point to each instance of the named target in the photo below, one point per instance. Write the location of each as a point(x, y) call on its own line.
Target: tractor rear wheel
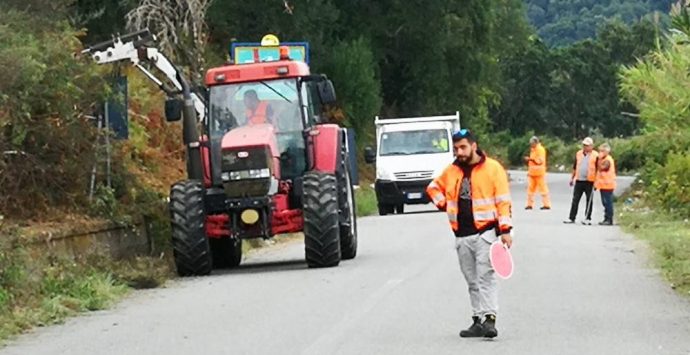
point(348, 219)
point(191, 249)
point(321, 219)
point(226, 252)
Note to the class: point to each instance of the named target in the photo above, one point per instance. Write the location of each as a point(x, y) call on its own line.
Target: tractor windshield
point(274, 102)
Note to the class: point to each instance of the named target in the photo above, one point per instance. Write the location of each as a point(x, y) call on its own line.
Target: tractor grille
point(246, 159)
point(414, 175)
point(246, 172)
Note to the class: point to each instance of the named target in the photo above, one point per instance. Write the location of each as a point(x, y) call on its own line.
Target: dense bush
point(670, 184)
point(45, 141)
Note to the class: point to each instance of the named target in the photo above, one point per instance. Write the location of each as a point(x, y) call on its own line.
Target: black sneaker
point(569, 221)
point(474, 331)
point(545, 208)
point(490, 326)
point(528, 207)
point(606, 223)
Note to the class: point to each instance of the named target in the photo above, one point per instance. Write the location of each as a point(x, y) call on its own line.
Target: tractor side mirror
point(326, 92)
point(173, 110)
point(369, 155)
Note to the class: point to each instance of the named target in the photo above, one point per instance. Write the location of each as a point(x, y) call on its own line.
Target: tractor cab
point(265, 103)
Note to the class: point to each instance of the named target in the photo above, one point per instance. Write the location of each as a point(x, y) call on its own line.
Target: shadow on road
point(271, 266)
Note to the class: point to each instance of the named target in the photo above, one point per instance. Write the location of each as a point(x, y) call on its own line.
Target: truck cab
point(410, 153)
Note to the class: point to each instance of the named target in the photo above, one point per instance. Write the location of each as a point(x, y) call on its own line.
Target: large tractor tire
point(191, 248)
point(321, 220)
point(348, 217)
point(226, 252)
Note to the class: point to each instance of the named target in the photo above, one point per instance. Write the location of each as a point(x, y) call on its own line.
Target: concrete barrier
point(107, 240)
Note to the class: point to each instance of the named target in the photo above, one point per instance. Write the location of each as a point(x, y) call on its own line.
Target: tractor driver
point(256, 111)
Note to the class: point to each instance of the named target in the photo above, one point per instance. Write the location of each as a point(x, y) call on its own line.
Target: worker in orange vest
point(606, 182)
point(257, 111)
point(536, 175)
point(584, 174)
point(474, 193)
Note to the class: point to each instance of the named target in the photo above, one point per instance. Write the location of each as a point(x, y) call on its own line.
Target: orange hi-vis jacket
point(606, 179)
point(491, 203)
point(537, 161)
point(259, 115)
point(592, 170)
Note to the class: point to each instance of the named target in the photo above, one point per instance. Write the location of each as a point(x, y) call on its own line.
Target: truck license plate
point(414, 195)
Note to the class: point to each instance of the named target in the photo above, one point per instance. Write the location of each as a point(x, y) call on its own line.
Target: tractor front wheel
point(321, 220)
point(191, 249)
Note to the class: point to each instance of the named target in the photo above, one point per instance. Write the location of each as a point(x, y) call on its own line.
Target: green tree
point(353, 71)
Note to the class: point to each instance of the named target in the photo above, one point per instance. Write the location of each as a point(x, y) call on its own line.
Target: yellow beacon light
point(270, 40)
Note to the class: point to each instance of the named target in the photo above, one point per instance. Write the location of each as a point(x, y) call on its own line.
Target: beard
point(465, 159)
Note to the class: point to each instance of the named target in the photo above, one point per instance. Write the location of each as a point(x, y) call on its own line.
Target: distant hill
point(560, 22)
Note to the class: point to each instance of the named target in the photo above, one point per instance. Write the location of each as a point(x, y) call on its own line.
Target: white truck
point(411, 152)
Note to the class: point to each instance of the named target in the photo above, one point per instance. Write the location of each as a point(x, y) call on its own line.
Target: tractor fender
point(326, 140)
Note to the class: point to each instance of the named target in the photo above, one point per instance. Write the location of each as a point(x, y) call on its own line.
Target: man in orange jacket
point(606, 182)
point(257, 111)
point(584, 174)
point(536, 175)
point(474, 192)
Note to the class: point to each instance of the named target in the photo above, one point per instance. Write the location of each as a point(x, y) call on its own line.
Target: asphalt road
point(576, 290)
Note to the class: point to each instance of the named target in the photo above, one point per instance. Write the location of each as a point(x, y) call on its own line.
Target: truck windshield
point(431, 141)
point(273, 102)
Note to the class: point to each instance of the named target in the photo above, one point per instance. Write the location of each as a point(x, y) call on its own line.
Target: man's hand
point(526, 158)
point(441, 208)
point(507, 239)
point(572, 182)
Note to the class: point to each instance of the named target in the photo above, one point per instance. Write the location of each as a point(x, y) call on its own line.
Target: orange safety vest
point(537, 161)
point(259, 115)
point(592, 170)
point(491, 201)
point(606, 180)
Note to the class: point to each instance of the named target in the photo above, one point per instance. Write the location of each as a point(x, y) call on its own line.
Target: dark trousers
point(607, 201)
point(586, 188)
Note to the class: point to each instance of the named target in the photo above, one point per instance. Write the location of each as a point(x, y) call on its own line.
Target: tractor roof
point(240, 73)
point(266, 60)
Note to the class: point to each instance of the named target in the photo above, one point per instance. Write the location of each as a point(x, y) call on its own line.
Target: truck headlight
point(383, 174)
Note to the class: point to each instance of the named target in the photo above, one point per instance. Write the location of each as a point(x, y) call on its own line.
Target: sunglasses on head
point(463, 133)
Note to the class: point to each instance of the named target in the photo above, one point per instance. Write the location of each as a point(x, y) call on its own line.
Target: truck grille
point(414, 175)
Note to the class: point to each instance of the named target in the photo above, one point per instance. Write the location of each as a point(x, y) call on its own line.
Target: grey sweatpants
point(473, 255)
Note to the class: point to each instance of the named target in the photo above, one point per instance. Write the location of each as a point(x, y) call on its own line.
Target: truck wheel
point(321, 218)
point(348, 221)
point(191, 249)
point(226, 252)
point(400, 209)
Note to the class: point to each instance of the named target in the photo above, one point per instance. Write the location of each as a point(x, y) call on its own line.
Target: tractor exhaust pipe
point(190, 134)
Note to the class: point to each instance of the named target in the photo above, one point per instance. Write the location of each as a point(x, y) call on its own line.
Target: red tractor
point(267, 162)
